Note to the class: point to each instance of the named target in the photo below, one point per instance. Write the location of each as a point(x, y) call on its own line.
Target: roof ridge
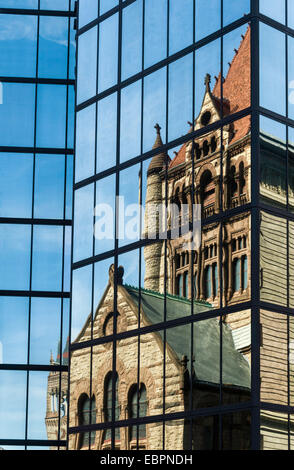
point(172, 296)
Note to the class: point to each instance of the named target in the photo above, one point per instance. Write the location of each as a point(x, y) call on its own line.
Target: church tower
point(155, 202)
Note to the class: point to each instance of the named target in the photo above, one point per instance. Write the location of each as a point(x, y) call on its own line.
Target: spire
point(158, 161)
point(51, 358)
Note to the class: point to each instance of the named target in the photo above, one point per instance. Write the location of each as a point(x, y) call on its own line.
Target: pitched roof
point(206, 334)
point(236, 94)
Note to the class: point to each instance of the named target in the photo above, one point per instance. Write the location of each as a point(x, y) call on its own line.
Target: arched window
point(195, 286)
point(206, 252)
point(179, 289)
point(207, 282)
point(87, 415)
point(213, 144)
point(205, 148)
point(198, 152)
point(236, 274)
point(215, 279)
point(108, 407)
point(241, 178)
point(244, 273)
point(207, 190)
point(137, 406)
point(186, 284)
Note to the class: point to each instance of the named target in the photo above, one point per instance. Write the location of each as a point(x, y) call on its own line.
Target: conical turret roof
point(158, 161)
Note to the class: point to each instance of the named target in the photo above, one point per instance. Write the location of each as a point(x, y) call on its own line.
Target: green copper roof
point(206, 338)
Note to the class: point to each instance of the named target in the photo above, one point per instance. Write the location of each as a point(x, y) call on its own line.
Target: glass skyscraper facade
point(179, 334)
point(37, 70)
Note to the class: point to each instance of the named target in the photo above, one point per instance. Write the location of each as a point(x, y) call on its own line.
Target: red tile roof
point(236, 92)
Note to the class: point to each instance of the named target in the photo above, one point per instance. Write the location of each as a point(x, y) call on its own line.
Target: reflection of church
point(188, 367)
point(204, 382)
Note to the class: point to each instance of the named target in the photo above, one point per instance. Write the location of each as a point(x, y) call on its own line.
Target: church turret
point(154, 199)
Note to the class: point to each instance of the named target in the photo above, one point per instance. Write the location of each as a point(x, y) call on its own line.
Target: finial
point(184, 362)
point(236, 51)
point(229, 64)
point(119, 274)
point(189, 123)
point(216, 78)
point(176, 153)
point(158, 128)
point(207, 81)
point(242, 36)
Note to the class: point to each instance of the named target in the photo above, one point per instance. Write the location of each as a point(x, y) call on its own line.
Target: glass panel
point(67, 259)
point(180, 96)
point(108, 53)
point(275, 10)
point(53, 39)
point(15, 249)
point(180, 20)
point(87, 65)
point(12, 405)
point(106, 133)
point(290, 14)
point(88, 11)
point(84, 222)
point(104, 230)
point(54, 5)
point(237, 72)
point(16, 179)
point(154, 107)
point(18, 45)
point(274, 358)
point(81, 299)
point(272, 69)
point(132, 39)
point(290, 78)
point(130, 140)
point(129, 211)
point(236, 431)
point(208, 17)
point(72, 51)
point(19, 3)
point(85, 143)
point(70, 117)
point(274, 430)
point(51, 116)
point(101, 278)
point(14, 312)
point(38, 404)
point(234, 10)
point(17, 113)
point(236, 357)
point(106, 5)
point(47, 258)
point(205, 433)
point(49, 186)
point(207, 61)
point(69, 183)
point(273, 259)
point(79, 399)
point(273, 162)
point(155, 31)
point(45, 330)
